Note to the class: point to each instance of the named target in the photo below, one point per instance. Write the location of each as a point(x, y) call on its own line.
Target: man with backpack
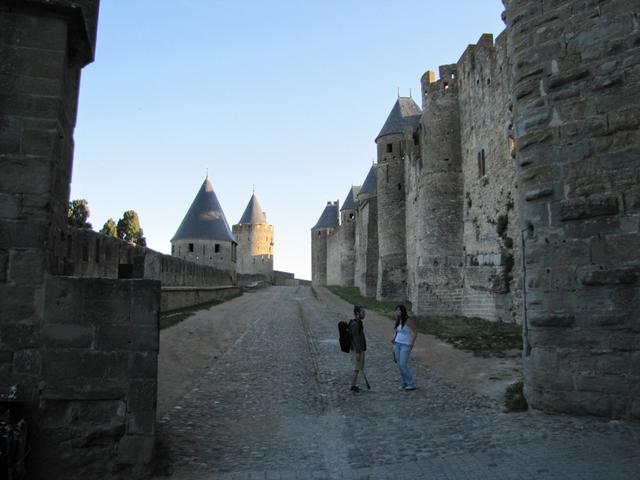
point(358, 346)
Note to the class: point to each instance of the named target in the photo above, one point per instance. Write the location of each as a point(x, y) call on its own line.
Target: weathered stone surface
point(136, 449)
point(588, 208)
point(588, 313)
point(73, 336)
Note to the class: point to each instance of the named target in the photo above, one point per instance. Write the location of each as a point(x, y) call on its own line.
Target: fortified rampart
point(519, 187)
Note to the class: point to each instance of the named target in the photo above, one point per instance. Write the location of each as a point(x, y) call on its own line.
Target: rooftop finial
point(207, 172)
point(410, 94)
point(398, 92)
point(254, 188)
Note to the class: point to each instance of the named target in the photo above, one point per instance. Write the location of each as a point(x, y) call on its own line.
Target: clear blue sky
point(286, 95)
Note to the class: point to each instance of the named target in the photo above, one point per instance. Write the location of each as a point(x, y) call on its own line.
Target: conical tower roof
point(253, 214)
point(370, 185)
point(405, 113)
point(205, 219)
point(329, 217)
point(351, 202)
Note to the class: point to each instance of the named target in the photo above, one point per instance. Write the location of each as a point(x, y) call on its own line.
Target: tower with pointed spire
point(204, 236)
point(392, 267)
point(320, 232)
point(366, 236)
point(255, 242)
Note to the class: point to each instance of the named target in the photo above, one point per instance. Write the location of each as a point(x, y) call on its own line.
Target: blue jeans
point(402, 352)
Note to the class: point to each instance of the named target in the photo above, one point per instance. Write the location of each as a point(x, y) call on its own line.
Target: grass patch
point(481, 337)
point(352, 295)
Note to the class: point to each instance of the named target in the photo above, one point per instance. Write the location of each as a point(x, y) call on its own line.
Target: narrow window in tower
point(446, 85)
point(203, 252)
point(173, 249)
point(216, 248)
point(389, 147)
point(386, 172)
point(191, 247)
point(481, 164)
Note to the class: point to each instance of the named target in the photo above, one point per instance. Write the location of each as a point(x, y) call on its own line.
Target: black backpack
point(345, 336)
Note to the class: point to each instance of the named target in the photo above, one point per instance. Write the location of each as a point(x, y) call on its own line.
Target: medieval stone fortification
point(512, 194)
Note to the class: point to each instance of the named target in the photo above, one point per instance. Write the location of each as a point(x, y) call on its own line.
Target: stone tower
point(576, 120)
point(326, 225)
point(366, 236)
point(438, 251)
point(392, 267)
point(255, 241)
point(204, 236)
point(341, 245)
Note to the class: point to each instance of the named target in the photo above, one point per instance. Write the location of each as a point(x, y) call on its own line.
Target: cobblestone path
point(278, 405)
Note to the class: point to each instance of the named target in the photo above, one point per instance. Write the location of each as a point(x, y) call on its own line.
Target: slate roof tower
point(204, 236)
point(255, 243)
point(392, 267)
point(325, 226)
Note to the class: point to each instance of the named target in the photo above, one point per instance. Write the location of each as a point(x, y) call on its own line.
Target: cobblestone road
point(277, 405)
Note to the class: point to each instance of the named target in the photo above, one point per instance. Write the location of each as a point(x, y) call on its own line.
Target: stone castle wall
point(491, 237)
point(341, 258)
point(576, 93)
point(366, 246)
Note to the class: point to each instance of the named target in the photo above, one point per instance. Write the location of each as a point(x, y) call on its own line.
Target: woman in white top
point(404, 337)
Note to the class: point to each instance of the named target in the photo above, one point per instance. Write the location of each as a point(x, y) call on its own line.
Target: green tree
point(109, 228)
point(78, 213)
point(129, 229)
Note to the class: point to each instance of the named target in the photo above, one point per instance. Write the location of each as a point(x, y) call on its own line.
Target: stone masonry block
point(617, 276)
point(27, 362)
point(33, 31)
point(605, 384)
point(104, 365)
point(64, 302)
point(136, 449)
point(21, 234)
point(143, 365)
point(31, 106)
point(10, 133)
point(145, 302)
point(60, 365)
point(615, 249)
point(141, 423)
point(9, 206)
point(4, 263)
point(142, 396)
point(32, 62)
point(17, 336)
point(65, 335)
point(39, 142)
point(594, 206)
point(114, 337)
point(26, 266)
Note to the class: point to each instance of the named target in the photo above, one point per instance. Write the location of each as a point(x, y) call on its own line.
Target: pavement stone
point(277, 405)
